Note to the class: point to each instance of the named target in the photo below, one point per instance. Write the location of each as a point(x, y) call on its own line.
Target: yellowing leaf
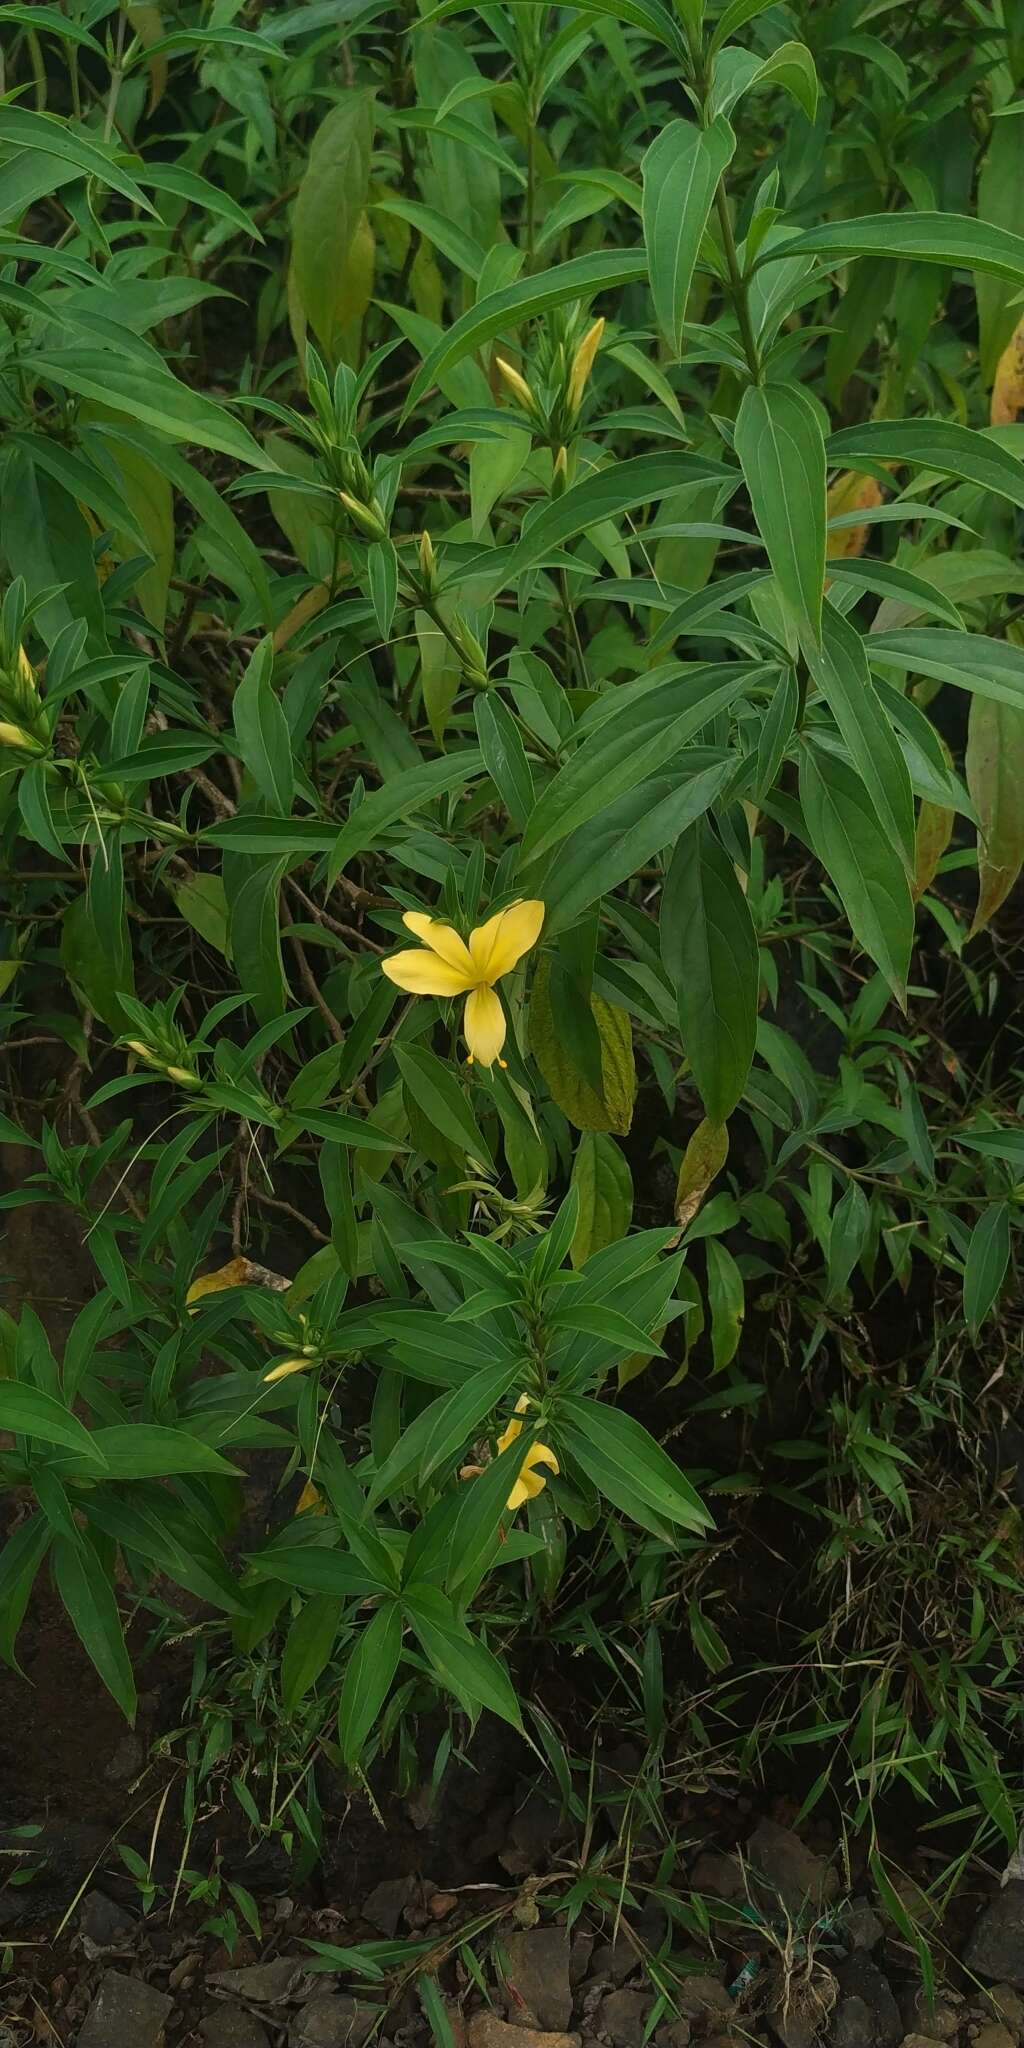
point(237, 1273)
point(612, 1110)
point(850, 493)
point(1008, 388)
point(934, 832)
point(995, 778)
point(702, 1161)
point(332, 242)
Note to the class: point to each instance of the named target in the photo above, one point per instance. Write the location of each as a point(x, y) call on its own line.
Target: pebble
point(538, 1977)
point(486, 2030)
point(125, 2013)
point(232, 2028)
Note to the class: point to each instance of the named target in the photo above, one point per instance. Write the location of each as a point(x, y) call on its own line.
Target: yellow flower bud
point(516, 384)
point(12, 736)
point(145, 1052)
point(583, 363)
point(183, 1077)
point(285, 1369)
point(428, 559)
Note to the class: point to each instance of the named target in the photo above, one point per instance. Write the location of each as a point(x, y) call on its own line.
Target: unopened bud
point(559, 473)
point(13, 736)
point(183, 1077)
point(368, 518)
point(517, 384)
point(583, 363)
point(428, 559)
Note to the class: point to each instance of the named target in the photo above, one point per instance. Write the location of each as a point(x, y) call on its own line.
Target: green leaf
point(626, 1464)
point(649, 15)
point(504, 756)
point(988, 1256)
point(973, 661)
point(502, 311)
point(153, 1450)
point(399, 798)
point(307, 1649)
point(461, 1411)
point(949, 238)
point(440, 673)
point(328, 207)
point(840, 669)
point(607, 495)
point(1000, 183)
point(781, 448)
point(460, 1660)
point(84, 156)
point(681, 172)
point(726, 1302)
point(995, 778)
point(964, 452)
point(646, 729)
point(604, 1184)
point(791, 66)
point(846, 835)
point(261, 729)
point(150, 393)
point(27, 1411)
point(434, 1088)
point(92, 1610)
point(368, 1678)
point(627, 833)
point(151, 1525)
point(710, 952)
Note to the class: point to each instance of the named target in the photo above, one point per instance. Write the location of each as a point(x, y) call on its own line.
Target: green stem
point(737, 285)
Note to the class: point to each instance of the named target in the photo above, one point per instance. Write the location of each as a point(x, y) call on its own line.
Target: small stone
point(994, 2035)
point(538, 1977)
point(185, 1972)
point(104, 1924)
point(232, 2028)
point(996, 1946)
point(859, 1977)
point(698, 1996)
point(1008, 2005)
point(486, 2030)
point(386, 1904)
point(623, 2016)
point(853, 2024)
point(127, 1760)
point(916, 2041)
point(936, 2022)
point(125, 2013)
point(263, 1983)
point(862, 1927)
point(331, 2019)
point(791, 1871)
point(721, 1877)
point(440, 1904)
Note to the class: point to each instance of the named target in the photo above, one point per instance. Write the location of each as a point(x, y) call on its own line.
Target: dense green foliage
point(520, 455)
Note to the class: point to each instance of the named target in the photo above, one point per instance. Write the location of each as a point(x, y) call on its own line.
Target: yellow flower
point(516, 382)
point(447, 965)
point(530, 1482)
point(583, 363)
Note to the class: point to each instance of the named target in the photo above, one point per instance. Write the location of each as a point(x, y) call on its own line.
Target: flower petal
point(422, 973)
point(286, 1368)
point(509, 1435)
point(531, 1482)
point(443, 940)
point(498, 944)
point(483, 1025)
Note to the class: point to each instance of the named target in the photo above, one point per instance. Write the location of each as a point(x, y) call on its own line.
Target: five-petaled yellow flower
point(447, 965)
point(530, 1482)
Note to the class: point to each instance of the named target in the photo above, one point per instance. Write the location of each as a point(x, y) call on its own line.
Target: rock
point(720, 1876)
point(938, 2022)
point(125, 2013)
point(676, 2034)
point(263, 1983)
point(486, 2030)
point(622, 2015)
point(127, 1760)
point(796, 1876)
point(858, 1977)
point(440, 1904)
point(232, 2028)
point(331, 2019)
point(103, 1924)
point(862, 1927)
point(699, 1996)
point(853, 2024)
point(531, 1833)
point(387, 1902)
point(994, 2035)
point(916, 2041)
point(538, 1977)
point(581, 1950)
point(1008, 2005)
point(615, 1959)
point(996, 1946)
